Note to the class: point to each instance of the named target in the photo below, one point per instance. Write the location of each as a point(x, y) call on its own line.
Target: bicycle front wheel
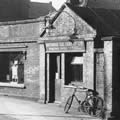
point(68, 104)
point(85, 107)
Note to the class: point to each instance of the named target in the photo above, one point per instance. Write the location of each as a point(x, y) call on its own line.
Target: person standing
point(15, 71)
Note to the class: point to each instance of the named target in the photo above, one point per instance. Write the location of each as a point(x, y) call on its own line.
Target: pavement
point(22, 109)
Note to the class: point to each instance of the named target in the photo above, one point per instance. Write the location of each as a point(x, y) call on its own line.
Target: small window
point(74, 68)
point(77, 73)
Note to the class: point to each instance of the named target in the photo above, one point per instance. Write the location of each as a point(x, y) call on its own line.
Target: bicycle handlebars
point(83, 88)
point(77, 87)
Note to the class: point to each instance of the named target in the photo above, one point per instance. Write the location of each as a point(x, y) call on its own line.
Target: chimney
point(50, 7)
point(73, 2)
point(81, 3)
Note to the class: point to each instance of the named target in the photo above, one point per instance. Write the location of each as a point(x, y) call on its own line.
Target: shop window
point(12, 68)
point(74, 69)
point(77, 73)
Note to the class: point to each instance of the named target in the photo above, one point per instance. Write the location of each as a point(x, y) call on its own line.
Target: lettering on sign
point(65, 46)
point(4, 31)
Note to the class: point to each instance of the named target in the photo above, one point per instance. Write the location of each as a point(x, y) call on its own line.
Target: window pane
point(77, 73)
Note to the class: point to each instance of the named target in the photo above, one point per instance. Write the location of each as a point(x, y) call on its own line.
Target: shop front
point(63, 64)
point(66, 55)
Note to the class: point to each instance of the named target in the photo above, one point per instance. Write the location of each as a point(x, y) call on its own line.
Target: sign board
point(77, 46)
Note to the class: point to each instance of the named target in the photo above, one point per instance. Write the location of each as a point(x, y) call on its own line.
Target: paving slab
point(20, 109)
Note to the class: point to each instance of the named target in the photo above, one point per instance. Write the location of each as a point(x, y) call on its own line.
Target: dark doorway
point(53, 69)
point(55, 77)
point(116, 84)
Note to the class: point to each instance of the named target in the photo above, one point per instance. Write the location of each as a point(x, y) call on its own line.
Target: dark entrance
point(55, 75)
point(116, 84)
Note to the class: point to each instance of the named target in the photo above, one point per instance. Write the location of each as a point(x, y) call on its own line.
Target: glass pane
point(77, 73)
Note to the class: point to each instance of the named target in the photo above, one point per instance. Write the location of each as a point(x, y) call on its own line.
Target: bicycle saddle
point(93, 91)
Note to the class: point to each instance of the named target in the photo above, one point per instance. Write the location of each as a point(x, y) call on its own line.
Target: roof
point(107, 4)
point(37, 9)
point(105, 21)
point(12, 10)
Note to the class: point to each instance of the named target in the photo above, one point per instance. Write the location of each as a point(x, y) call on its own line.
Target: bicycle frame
point(88, 105)
point(73, 95)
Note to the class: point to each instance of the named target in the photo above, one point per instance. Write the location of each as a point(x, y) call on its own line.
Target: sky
point(56, 3)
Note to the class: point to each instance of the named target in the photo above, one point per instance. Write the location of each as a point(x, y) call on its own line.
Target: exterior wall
point(108, 54)
point(9, 32)
point(99, 73)
point(112, 76)
point(23, 33)
point(63, 28)
point(31, 75)
point(85, 34)
point(88, 75)
point(42, 72)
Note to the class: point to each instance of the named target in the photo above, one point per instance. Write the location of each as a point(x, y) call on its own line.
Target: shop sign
point(65, 47)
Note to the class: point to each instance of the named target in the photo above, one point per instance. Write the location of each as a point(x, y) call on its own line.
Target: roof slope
point(105, 21)
point(39, 9)
point(107, 4)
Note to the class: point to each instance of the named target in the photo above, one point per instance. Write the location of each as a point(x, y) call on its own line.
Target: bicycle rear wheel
point(96, 104)
point(68, 104)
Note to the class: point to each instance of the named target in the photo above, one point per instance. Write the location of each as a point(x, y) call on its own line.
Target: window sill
point(12, 84)
point(73, 86)
point(76, 83)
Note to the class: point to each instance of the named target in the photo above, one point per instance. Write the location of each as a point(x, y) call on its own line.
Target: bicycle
point(92, 104)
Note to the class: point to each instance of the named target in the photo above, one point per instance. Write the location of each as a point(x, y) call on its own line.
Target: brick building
point(84, 51)
point(18, 41)
point(53, 54)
